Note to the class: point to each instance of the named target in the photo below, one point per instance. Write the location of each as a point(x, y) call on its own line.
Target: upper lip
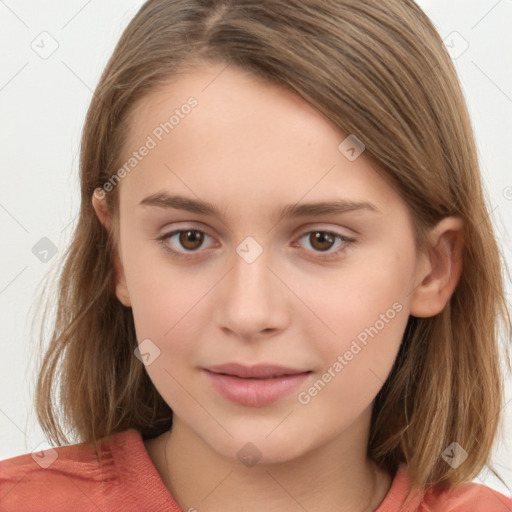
point(261, 371)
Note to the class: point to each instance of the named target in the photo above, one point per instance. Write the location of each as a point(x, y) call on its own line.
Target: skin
point(250, 147)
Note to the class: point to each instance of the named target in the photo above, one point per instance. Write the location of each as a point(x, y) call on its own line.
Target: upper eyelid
point(312, 226)
point(188, 227)
point(301, 232)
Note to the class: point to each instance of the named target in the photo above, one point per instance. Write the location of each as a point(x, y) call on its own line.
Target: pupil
point(323, 238)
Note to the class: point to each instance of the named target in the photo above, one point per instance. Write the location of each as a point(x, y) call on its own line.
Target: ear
point(440, 270)
point(100, 207)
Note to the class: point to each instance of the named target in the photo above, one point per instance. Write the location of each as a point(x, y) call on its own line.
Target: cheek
point(160, 292)
point(368, 292)
point(168, 304)
point(366, 309)
point(358, 359)
point(168, 312)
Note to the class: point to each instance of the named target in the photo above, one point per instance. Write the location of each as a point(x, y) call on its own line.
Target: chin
point(251, 446)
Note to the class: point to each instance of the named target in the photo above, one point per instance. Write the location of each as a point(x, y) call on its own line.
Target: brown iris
point(191, 239)
point(321, 240)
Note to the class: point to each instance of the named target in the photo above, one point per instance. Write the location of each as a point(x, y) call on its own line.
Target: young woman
point(284, 288)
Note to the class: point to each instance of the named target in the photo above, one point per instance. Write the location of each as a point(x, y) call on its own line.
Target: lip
point(259, 371)
point(254, 386)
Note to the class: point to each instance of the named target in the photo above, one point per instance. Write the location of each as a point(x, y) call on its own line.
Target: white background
point(43, 104)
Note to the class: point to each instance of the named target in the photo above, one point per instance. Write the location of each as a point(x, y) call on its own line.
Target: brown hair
point(377, 69)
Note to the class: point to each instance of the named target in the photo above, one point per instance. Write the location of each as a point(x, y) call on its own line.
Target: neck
point(335, 476)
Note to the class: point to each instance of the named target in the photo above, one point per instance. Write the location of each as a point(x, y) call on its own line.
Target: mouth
point(254, 386)
point(254, 372)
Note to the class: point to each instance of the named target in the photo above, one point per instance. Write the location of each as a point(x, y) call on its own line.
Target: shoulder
point(81, 477)
point(468, 497)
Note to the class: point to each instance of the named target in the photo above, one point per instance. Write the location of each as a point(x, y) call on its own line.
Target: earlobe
point(100, 207)
point(121, 287)
point(440, 271)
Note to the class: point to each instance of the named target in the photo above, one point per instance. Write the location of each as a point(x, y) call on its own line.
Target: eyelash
point(322, 256)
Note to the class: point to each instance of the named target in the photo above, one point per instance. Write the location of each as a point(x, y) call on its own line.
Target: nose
point(252, 300)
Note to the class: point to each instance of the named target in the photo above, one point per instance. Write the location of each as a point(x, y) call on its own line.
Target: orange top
point(120, 476)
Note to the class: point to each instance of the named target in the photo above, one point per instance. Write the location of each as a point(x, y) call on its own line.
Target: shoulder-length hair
point(375, 68)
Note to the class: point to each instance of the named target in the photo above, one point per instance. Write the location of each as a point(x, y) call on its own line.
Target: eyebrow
point(331, 207)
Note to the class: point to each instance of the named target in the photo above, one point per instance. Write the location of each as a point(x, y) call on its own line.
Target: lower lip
point(254, 392)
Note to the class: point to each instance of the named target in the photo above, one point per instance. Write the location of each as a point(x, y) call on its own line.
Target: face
point(323, 294)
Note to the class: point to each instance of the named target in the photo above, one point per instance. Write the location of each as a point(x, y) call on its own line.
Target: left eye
point(191, 241)
point(322, 241)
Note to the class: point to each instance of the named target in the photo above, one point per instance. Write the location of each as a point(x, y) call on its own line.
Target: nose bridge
point(251, 302)
point(251, 273)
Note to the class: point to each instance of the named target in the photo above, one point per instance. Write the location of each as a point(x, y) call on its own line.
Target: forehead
point(228, 98)
point(242, 138)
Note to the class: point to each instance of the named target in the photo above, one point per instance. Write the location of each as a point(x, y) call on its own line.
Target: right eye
point(189, 239)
